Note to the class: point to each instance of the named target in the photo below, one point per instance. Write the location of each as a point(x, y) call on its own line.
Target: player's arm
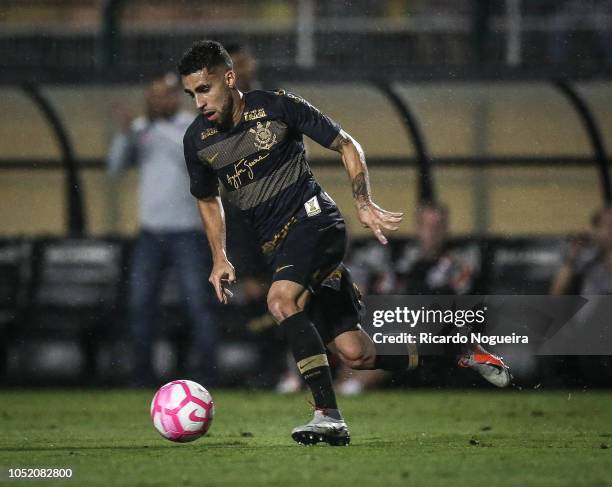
point(205, 188)
point(370, 214)
point(213, 219)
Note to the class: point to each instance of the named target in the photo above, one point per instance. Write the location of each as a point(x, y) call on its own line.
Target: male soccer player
point(253, 144)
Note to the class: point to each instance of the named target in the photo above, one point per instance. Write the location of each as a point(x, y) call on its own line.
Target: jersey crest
point(264, 137)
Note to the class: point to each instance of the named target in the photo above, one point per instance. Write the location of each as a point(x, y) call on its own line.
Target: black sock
point(398, 362)
point(309, 354)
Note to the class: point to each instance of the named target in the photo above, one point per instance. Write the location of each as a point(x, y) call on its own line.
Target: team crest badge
point(264, 137)
point(312, 206)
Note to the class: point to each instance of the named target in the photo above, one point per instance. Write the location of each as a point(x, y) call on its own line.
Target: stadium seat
point(14, 278)
point(522, 265)
point(75, 302)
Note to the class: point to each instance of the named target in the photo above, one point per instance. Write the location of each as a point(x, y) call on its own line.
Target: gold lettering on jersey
point(264, 137)
point(244, 166)
point(254, 114)
point(207, 133)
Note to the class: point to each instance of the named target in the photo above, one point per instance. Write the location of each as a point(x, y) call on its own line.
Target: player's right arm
point(205, 187)
point(213, 219)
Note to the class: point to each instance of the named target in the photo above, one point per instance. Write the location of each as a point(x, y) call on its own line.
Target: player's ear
point(230, 78)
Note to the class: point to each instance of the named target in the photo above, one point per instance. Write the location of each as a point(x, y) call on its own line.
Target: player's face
point(212, 93)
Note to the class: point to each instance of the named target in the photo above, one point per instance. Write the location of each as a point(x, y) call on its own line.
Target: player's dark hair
point(204, 54)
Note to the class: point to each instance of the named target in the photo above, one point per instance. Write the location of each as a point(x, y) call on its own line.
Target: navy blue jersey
point(260, 162)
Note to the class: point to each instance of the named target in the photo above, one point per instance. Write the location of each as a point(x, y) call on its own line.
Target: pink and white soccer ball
point(182, 410)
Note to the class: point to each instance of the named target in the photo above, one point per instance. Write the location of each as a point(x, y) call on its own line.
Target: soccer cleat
point(322, 429)
point(491, 367)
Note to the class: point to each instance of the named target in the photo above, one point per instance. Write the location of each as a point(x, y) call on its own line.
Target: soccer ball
point(182, 411)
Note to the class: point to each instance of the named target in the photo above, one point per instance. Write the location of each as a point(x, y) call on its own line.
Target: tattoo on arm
point(341, 139)
point(361, 190)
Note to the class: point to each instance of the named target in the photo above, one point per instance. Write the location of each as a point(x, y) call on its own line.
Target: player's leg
point(286, 302)
point(337, 310)
point(357, 350)
point(301, 258)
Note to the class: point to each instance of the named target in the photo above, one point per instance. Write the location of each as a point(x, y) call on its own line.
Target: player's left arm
point(370, 214)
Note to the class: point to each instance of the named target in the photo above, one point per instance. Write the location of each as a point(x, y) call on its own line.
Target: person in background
point(170, 231)
point(587, 268)
point(431, 267)
point(245, 67)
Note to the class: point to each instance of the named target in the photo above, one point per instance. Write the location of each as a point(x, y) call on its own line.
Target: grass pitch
point(398, 438)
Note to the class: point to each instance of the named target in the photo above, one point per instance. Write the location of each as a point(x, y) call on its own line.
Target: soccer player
point(253, 144)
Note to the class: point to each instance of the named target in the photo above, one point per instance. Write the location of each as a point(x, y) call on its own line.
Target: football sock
point(398, 362)
point(311, 359)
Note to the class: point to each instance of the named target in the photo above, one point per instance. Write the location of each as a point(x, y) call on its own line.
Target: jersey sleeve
point(203, 181)
point(307, 119)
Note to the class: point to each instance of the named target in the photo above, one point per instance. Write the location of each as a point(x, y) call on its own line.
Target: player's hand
point(222, 275)
point(378, 220)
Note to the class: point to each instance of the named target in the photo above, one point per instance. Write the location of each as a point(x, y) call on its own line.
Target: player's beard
point(225, 120)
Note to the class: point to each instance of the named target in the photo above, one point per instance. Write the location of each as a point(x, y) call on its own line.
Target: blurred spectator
point(431, 267)
point(571, 14)
point(372, 268)
point(245, 67)
point(170, 231)
point(587, 268)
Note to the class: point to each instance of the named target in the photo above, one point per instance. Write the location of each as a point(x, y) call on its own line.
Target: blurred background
point(496, 113)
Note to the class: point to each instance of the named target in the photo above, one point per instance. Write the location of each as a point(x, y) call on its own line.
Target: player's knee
point(282, 306)
point(356, 357)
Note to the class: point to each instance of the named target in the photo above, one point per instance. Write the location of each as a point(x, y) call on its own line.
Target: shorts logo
point(264, 137)
point(312, 206)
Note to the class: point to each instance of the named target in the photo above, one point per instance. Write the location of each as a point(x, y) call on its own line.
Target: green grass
point(399, 438)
